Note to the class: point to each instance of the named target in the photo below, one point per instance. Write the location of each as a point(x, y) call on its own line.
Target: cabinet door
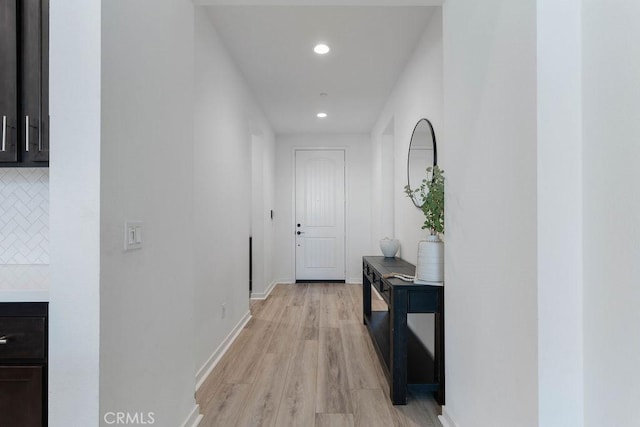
point(21, 396)
point(34, 80)
point(8, 81)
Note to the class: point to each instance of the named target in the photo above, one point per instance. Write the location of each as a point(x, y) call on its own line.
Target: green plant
point(432, 192)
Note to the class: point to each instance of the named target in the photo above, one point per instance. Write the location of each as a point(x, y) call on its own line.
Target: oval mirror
point(422, 154)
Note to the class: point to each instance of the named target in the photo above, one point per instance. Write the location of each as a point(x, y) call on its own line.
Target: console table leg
point(398, 338)
point(439, 349)
point(366, 297)
point(439, 356)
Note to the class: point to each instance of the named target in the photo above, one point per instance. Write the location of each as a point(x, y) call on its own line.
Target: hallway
point(304, 359)
point(184, 117)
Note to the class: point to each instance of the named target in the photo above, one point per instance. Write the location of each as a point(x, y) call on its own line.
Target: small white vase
point(430, 265)
point(389, 247)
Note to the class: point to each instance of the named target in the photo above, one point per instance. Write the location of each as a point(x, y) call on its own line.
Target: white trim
point(445, 419)
point(318, 2)
point(346, 211)
point(293, 211)
point(264, 295)
point(355, 281)
point(194, 418)
point(213, 360)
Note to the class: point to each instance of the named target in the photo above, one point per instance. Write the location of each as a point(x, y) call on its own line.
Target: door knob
point(298, 225)
point(300, 232)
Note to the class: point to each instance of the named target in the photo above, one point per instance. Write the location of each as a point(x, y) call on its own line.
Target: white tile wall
point(24, 216)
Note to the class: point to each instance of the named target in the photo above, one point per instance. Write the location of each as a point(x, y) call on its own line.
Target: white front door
point(320, 215)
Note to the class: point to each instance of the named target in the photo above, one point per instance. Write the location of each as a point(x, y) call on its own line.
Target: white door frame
point(293, 203)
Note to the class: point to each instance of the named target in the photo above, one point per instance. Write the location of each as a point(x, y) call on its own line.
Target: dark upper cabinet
point(8, 81)
point(24, 82)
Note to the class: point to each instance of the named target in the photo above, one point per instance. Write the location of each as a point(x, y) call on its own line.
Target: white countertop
point(24, 283)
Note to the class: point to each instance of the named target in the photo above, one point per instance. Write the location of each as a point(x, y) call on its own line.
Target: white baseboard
point(265, 294)
point(355, 280)
point(213, 360)
point(194, 418)
point(445, 419)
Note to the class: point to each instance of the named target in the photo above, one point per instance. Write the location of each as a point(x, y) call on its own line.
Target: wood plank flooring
point(305, 359)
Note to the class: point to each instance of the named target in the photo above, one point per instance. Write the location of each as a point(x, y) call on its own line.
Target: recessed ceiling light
point(321, 49)
point(321, 115)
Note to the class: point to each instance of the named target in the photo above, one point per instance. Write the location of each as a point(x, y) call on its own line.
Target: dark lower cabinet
point(23, 364)
point(21, 396)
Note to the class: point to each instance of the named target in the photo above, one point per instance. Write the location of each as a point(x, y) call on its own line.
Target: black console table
point(404, 358)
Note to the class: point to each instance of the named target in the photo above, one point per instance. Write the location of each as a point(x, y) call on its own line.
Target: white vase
point(430, 265)
point(389, 247)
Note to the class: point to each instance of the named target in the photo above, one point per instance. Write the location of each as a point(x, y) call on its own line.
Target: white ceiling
point(273, 47)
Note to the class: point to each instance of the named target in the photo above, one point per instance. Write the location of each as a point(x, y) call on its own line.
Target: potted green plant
point(430, 263)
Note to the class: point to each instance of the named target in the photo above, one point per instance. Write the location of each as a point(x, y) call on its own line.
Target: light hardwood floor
point(305, 359)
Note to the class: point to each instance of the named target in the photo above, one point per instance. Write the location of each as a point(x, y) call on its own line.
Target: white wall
point(417, 95)
point(74, 212)
point(147, 316)
point(226, 117)
point(560, 337)
point(611, 108)
point(134, 90)
point(383, 184)
point(269, 189)
point(257, 201)
point(262, 178)
point(358, 182)
point(489, 155)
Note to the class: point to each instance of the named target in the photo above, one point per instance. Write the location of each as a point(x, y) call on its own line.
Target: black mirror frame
point(435, 152)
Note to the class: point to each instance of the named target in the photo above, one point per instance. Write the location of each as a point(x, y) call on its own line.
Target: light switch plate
point(132, 235)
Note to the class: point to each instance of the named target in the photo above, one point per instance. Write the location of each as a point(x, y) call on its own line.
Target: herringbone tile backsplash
point(24, 216)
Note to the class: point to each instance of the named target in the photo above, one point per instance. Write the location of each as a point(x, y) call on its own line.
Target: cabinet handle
point(4, 133)
point(41, 129)
point(26, 133)
point(4, 339)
